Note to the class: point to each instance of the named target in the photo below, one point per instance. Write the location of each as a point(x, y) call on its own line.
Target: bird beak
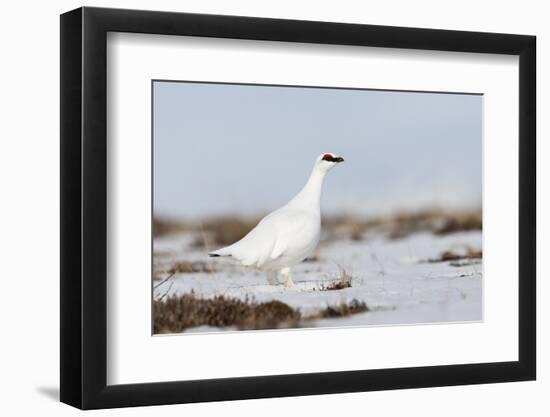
point(338, 159)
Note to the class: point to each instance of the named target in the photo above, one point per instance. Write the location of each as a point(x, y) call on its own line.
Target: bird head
point(327, 161)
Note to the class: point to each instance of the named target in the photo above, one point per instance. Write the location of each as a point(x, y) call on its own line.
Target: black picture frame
point(84, 207)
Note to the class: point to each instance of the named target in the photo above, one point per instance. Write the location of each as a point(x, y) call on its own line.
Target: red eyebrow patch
point(327, 156)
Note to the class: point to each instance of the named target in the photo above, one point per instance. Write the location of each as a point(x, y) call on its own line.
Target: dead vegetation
point(187, 267)
point(438, 222)
point(164, 227)
point(313, 258)
point(337, 285)
point(176, 314)
point(182, 267)
point(460, 222)
point(210, 232)
point(344, 281)
point(222, 231)
point(225, 231)
point(342, 310)
point(349, 227)
point(402, 224)
point(454, 257)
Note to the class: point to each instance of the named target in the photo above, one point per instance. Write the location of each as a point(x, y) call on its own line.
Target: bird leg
point(285, 272)
point(272, 277)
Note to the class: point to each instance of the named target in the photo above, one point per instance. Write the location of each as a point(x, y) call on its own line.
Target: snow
point(393, 277)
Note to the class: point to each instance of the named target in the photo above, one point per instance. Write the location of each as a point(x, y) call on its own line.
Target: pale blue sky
point(238, 149)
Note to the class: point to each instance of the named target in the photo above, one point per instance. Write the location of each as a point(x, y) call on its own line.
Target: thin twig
point(166, 292)
point(164, 280)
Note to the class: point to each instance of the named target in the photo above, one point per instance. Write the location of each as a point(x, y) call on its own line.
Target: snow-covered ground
point(392, 276)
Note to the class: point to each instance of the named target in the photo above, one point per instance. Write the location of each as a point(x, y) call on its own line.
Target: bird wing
point(271, 237)
point(290, 224)
point(254, 248)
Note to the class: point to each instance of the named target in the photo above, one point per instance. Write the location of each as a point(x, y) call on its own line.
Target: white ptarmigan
point(288, 235)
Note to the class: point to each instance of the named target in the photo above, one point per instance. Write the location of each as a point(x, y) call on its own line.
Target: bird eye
point(327, 157)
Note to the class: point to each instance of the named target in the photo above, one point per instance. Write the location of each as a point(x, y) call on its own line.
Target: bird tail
point(220, 252)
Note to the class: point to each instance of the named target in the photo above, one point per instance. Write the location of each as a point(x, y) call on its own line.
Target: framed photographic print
point(257, 207)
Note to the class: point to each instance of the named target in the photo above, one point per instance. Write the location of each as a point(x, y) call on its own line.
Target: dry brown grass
point(223, 231)
point(337, 285)
point(349, 227)
point(175, 314)
point(229, 230)
point(449, 256)
point(187, 267)
point(402, 224)
point(345, 279)
point(439, 222)
point(342, 310)
point(163, 227)
point(209, 233)
point(459, 222)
